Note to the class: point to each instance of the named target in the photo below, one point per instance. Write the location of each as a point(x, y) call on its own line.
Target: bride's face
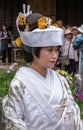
point(48, 57)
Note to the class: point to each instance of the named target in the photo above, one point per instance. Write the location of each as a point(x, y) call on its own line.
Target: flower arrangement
point(22, 21)
point(18, 41)
point(75, 88)
point(66, 75)
point(78, 90)
point(23, 25)
point(44, 22)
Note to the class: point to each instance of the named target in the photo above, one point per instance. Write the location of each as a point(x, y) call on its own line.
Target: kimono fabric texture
point(40, 104)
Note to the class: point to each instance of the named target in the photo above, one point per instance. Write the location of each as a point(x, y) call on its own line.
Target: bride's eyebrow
point(49, 47)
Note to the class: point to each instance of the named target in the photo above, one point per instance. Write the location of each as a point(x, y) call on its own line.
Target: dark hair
point(33, 20)
point(59, 19)
point(4, 25)
point(28, 57)
point(28, 51)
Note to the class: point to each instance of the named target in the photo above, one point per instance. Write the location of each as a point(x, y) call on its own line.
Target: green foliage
point(80, 104)
point(5, 79)
point(71, 81)
point(77, 100)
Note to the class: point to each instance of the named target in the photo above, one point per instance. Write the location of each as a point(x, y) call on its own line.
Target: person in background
point(66, 49)
point(78, 45)
point(74, 30)
point(5, 45)
point(68, 26)
point(39, 98)
point(59, 23)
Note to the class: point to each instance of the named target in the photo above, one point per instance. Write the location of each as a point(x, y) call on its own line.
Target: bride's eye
point(50, 49)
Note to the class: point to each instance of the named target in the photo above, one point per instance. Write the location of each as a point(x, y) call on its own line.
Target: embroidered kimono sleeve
point(74, 107)
point(13, 109)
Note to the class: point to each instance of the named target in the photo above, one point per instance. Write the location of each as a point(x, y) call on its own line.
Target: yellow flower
point(70, 82)
point(63, 72)
point(22, 21)
point(70, 78)
point(43, 22)
point(56, 25)
point(58, 71)
point(18, 42)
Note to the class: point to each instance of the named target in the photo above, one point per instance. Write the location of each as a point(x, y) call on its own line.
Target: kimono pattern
point(31, 106)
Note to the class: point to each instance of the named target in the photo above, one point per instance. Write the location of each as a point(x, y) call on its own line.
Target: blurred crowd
point(69, 57)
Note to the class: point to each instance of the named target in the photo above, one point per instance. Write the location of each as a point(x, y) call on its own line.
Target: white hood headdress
point(50, 36)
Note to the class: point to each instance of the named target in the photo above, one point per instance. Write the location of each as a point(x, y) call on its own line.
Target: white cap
point(51, 36)
point(80, 29)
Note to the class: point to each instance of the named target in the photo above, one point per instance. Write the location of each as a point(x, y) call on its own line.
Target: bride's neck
point(41, 70)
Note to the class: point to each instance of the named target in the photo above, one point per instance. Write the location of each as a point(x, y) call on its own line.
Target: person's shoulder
point(20, 72)
point(16, 87)
point(15, 82)
point(23, 68)
point(78, 38)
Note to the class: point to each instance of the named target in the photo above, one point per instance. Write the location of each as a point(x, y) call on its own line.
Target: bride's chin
point(51, 67)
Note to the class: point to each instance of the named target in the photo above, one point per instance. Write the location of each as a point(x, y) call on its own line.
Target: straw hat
point(74, 28)
point(67, 31)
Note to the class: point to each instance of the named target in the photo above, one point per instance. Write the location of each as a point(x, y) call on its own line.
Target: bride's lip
point(52, 62)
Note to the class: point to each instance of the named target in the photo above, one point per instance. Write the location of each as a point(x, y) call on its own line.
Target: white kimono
point(38, 103)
